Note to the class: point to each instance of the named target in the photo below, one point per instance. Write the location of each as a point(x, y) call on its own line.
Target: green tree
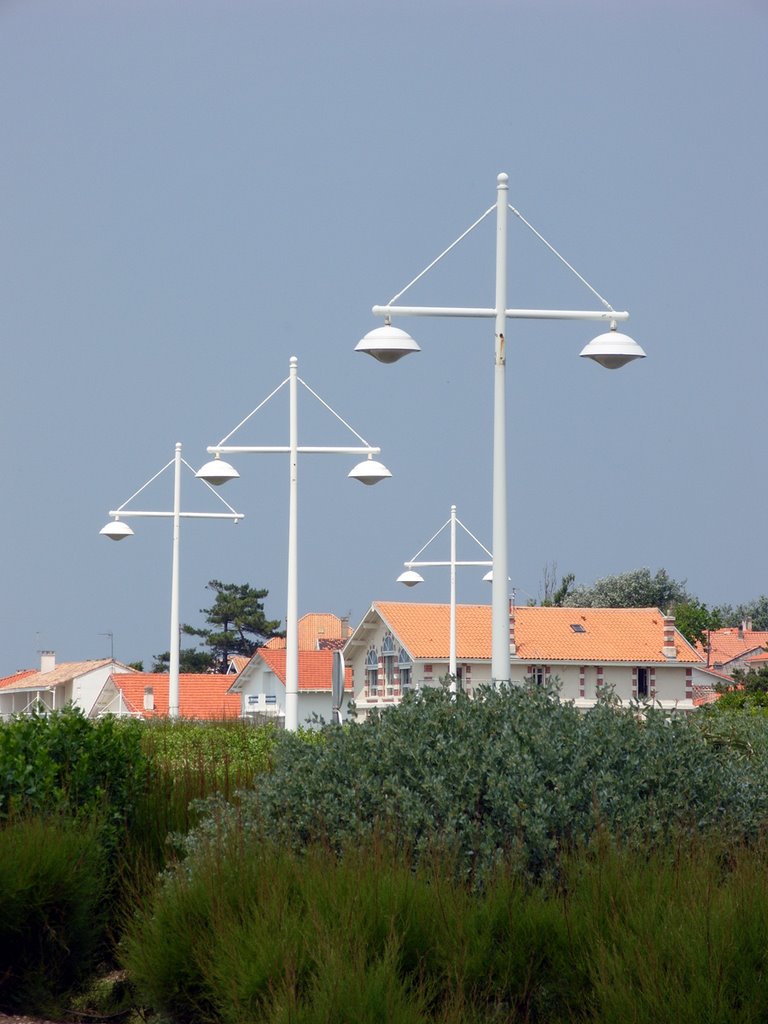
point(237, 622)
point(695, 620)
point(556, 594)
point(190, 660)
point(756, 610)
point(638, 588)
point(747, 692)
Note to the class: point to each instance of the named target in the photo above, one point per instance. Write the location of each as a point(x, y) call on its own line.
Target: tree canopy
point(237, 624)
point(638, 588)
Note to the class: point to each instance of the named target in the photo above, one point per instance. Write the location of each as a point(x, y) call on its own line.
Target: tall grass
point(188, 762)
point(52, 912)
point(247, 932)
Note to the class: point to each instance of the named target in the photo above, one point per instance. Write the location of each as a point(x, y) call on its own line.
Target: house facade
point(51, 687)
point(260, 686)
point(636, 652)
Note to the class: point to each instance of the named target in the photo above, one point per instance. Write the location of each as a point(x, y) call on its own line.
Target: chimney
point(748, 624)
point(741, 629)
point(669, 650)
point(47, 661)
point(149, 698)
point(512, 644)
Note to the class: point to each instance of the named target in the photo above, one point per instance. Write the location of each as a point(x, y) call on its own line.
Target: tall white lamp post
point(410, 578)
point(116, 529)
point(217, 472)
point(611, 349)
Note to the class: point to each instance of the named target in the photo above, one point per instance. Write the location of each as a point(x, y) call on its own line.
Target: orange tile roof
point(33, 679)
point(201, 695)
point(314, 627)
point(729, 643)
point(23, 673)
point(315, 668)
point(424, 629)
point(541, 634)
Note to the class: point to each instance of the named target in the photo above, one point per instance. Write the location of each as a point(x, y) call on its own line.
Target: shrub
point(63, 762)
point(514, 770)
point(52, 880)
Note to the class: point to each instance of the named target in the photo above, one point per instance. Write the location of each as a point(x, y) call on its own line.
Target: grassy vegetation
point(502, 859)
point(252, 932)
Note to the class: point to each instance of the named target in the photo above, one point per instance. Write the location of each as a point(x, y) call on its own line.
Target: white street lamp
point(611, 350)
point(410, 578)
point(116, 529)
point(216, 472)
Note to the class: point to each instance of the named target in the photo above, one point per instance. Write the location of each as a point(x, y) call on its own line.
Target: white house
point(261, 685)
point(637, 652)
point(86, 684)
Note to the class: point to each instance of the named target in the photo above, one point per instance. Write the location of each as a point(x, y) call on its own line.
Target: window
point(536, 673)
point(577, 627)
point(388, 657)
point(270, 698)
point(406, 669)
point(642, 683)
point(372, 673)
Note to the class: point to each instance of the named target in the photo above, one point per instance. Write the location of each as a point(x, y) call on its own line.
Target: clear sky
point(192, 191)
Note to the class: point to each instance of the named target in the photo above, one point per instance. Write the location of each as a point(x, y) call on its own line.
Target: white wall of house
point(82, 691)
point(262, 693)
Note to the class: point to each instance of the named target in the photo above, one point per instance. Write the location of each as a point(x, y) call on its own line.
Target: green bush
point(52, 882)
point(514, 770)
point(62, 762)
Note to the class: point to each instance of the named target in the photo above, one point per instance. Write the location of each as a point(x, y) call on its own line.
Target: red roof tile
point(541, 634)
point(732, 642)
point(201, 695)
point(315, 668)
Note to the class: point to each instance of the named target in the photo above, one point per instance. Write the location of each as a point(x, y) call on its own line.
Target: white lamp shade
point(217, 472)
point(410, 578)
point(116, 530)
point(369, 471)
point(612, 350)
point(387, 344)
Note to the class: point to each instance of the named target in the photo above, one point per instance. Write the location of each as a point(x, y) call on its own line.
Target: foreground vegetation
point(251, 932)
point(507, 858)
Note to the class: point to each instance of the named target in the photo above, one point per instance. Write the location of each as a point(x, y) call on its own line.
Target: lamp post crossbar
point(127, 513)
point(286, 449)
point(510, 314)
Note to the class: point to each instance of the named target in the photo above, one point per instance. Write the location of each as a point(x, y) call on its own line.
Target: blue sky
point(195, 190)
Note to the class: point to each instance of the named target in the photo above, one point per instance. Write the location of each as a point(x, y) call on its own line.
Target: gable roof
point(237, 663)
point(315, 628)
point(201, 695)
point(31, 679)
point(732, 642)
point(541, 634)
point(315, 668)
